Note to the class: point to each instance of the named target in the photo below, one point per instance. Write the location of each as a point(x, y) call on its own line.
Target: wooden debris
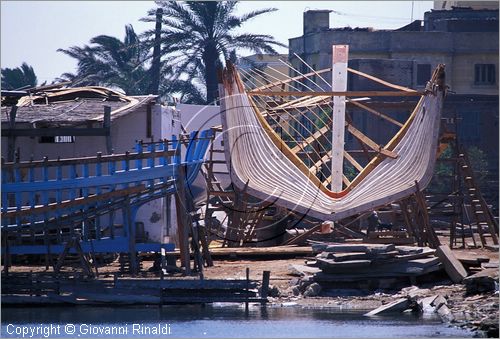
point(472, 259)
point(349, 248)
point(493, 248)
point(302, 270)
point(482, 282)
point(452, 266)
point(396, 306)
point(331, 266)
point(247, 252)
point(493, 264)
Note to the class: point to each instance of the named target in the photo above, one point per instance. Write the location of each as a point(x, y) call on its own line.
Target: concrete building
point(454, 38)
point(464, 39)
point(471, 4)
point(268, 68)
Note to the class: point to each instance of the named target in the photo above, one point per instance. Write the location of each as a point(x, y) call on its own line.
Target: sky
point(32, 31)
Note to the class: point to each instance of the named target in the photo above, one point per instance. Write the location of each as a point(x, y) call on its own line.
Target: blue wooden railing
point(46, 202)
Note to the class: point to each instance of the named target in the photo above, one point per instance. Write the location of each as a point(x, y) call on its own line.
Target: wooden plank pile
point(355, 262)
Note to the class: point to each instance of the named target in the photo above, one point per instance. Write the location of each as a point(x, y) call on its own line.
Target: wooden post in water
point(339, 84)
point(264, 290)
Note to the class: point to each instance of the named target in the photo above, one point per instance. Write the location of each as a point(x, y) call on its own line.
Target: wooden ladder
point(218, 198)
point(487, 226)
point(242, 216)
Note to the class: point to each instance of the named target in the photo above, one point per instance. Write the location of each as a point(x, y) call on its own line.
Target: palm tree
point(108, 61)
point(19, 77)
point(199, 35)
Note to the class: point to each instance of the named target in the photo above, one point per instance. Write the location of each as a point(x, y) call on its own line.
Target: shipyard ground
point(478, 312)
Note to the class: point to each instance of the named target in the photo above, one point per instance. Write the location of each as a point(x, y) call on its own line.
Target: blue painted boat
point(46, 202)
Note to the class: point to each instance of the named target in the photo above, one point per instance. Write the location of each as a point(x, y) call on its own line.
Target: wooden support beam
point(377, 113)
point(344, 180)
point(310, 139)
point(337, 93)
point(300, 100)
point(339, 84)
point(353, 161)
point(452, 265)
point(370, 143)
point(284, 82)
point(314, 168)
point(380, 81)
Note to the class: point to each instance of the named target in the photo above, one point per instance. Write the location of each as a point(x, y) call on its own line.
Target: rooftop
point(73, 105)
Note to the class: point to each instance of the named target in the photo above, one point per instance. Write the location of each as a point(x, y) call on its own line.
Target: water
point(213, 321)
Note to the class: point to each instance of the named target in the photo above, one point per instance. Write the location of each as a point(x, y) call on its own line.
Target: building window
point(58, 139)
point(423, 74)
point(484, 74)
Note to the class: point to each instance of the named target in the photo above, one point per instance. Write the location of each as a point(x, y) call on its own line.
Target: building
point(470, 4)
point(78, 122)
point(464, 39)
point(260, 69)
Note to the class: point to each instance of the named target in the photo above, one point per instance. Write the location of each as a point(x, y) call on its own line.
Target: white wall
point(159, 221)
point(199, 117)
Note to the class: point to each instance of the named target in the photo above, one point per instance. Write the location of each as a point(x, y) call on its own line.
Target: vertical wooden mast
point(339, 84)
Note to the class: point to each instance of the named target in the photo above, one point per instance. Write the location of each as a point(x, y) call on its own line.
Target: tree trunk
point(210, 57)
point(155, 66)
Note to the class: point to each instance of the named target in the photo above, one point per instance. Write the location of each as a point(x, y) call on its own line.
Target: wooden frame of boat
point(272, 170)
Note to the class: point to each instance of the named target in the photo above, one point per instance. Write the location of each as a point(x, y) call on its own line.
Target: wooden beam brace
point(377, 113)
point(370, 143)
point(353, 161)
point(344, 180)
point(339, 93)
point(380, 81)
point(283, 82)
point(314, 168)
point(310, 139)
point(292, 102)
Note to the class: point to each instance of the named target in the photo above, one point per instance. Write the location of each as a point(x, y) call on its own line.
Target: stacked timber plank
point(350, 262)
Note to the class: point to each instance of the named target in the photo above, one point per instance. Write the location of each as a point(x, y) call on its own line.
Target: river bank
point(477, 312)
